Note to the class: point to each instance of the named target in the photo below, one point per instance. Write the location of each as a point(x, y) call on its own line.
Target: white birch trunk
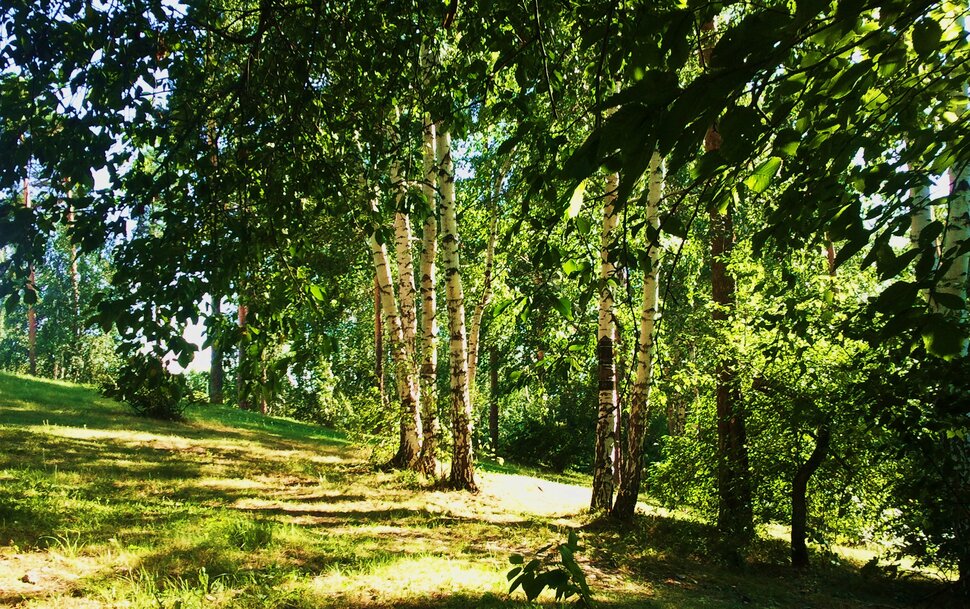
point(405, 374)
point(629, 488)
point(429, 308)
point(920, 217)
point(954, 280)
point(462, 465)
point(405, 264)
point(603, 462)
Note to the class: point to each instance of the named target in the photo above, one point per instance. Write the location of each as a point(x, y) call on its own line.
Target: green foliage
point(149, 388)
point(564, 576)
point(249, 534)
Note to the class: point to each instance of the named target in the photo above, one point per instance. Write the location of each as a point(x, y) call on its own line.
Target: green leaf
point(569, 267)
point(761, 178)
point(517, 559)
point(533, 588)
point(896, 298)
point(926, 37)
point(942, 339)
point(950, 301)
point(576, 201)
point(317, 292)
point(513, 573)
point(565, 307)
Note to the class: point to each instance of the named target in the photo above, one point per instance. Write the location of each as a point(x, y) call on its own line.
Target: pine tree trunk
point(602, 496)
point(734, 515)
point(428, 464)
point(217, 374)
point(462, 464)
point(409, 448)
point(799, 505)
point(629, 487)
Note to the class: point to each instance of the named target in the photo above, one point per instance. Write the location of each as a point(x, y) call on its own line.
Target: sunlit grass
point(101, 509)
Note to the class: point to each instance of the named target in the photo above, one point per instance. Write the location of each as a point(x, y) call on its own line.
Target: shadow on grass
point(679, 557)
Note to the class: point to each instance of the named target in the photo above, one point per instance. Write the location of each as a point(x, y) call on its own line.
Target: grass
point(101, 509)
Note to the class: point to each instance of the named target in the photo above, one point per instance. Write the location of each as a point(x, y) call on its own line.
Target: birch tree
point(632, 463)
point(603, 465)
point(429, 304)
point(462, 464)
point(409, 448)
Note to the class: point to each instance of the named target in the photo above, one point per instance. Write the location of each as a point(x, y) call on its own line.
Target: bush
point(149, 389)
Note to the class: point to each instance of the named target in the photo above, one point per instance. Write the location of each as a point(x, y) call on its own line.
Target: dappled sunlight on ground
point(100, 509)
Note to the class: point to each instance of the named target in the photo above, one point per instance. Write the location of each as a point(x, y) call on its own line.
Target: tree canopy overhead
point(770, 176)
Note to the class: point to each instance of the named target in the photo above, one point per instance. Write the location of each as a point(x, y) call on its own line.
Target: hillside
point(101, 509)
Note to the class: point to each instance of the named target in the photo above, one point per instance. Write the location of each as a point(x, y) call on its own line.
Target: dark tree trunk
point(734, 515)
point(799, 506)
point(493, 397)
point(242, 382)
point(378, 341)
point(217, 374)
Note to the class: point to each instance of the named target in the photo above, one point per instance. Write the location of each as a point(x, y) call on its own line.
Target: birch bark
point(429, 307)
point(462, 464)
point(409, 448)
point(603, 464)
point(629, 486)
point(954, 280)
point(31, 310)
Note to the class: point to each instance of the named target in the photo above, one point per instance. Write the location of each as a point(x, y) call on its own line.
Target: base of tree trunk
point(624, 507)
point(427, 464)
point(462, 484)
point(403, 459)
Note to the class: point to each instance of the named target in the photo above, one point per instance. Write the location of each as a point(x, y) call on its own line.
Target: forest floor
point(101, 509)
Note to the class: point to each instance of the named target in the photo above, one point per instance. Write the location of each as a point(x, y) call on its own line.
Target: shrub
point(149, 389)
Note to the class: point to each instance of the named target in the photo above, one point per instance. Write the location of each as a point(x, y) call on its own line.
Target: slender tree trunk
point(428, 463)
point(217, 374)
point(629, 488)
point(799, 505)
point(462, 463)
point(378, 341)
point(734, 514)
point(954, 283)
point(602, 496)
point(242, 371)
point(409, 448)
point(407, 293)
point(920, 217)
point(954, 280)
point(31, 310)
point(75, 278)
point(493, 397)
point(486, 296)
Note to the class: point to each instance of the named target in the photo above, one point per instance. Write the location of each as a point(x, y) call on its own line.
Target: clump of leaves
point(149, 389)
point(557, 571)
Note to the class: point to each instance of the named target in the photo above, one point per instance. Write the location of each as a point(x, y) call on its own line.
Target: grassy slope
point(101, 509)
